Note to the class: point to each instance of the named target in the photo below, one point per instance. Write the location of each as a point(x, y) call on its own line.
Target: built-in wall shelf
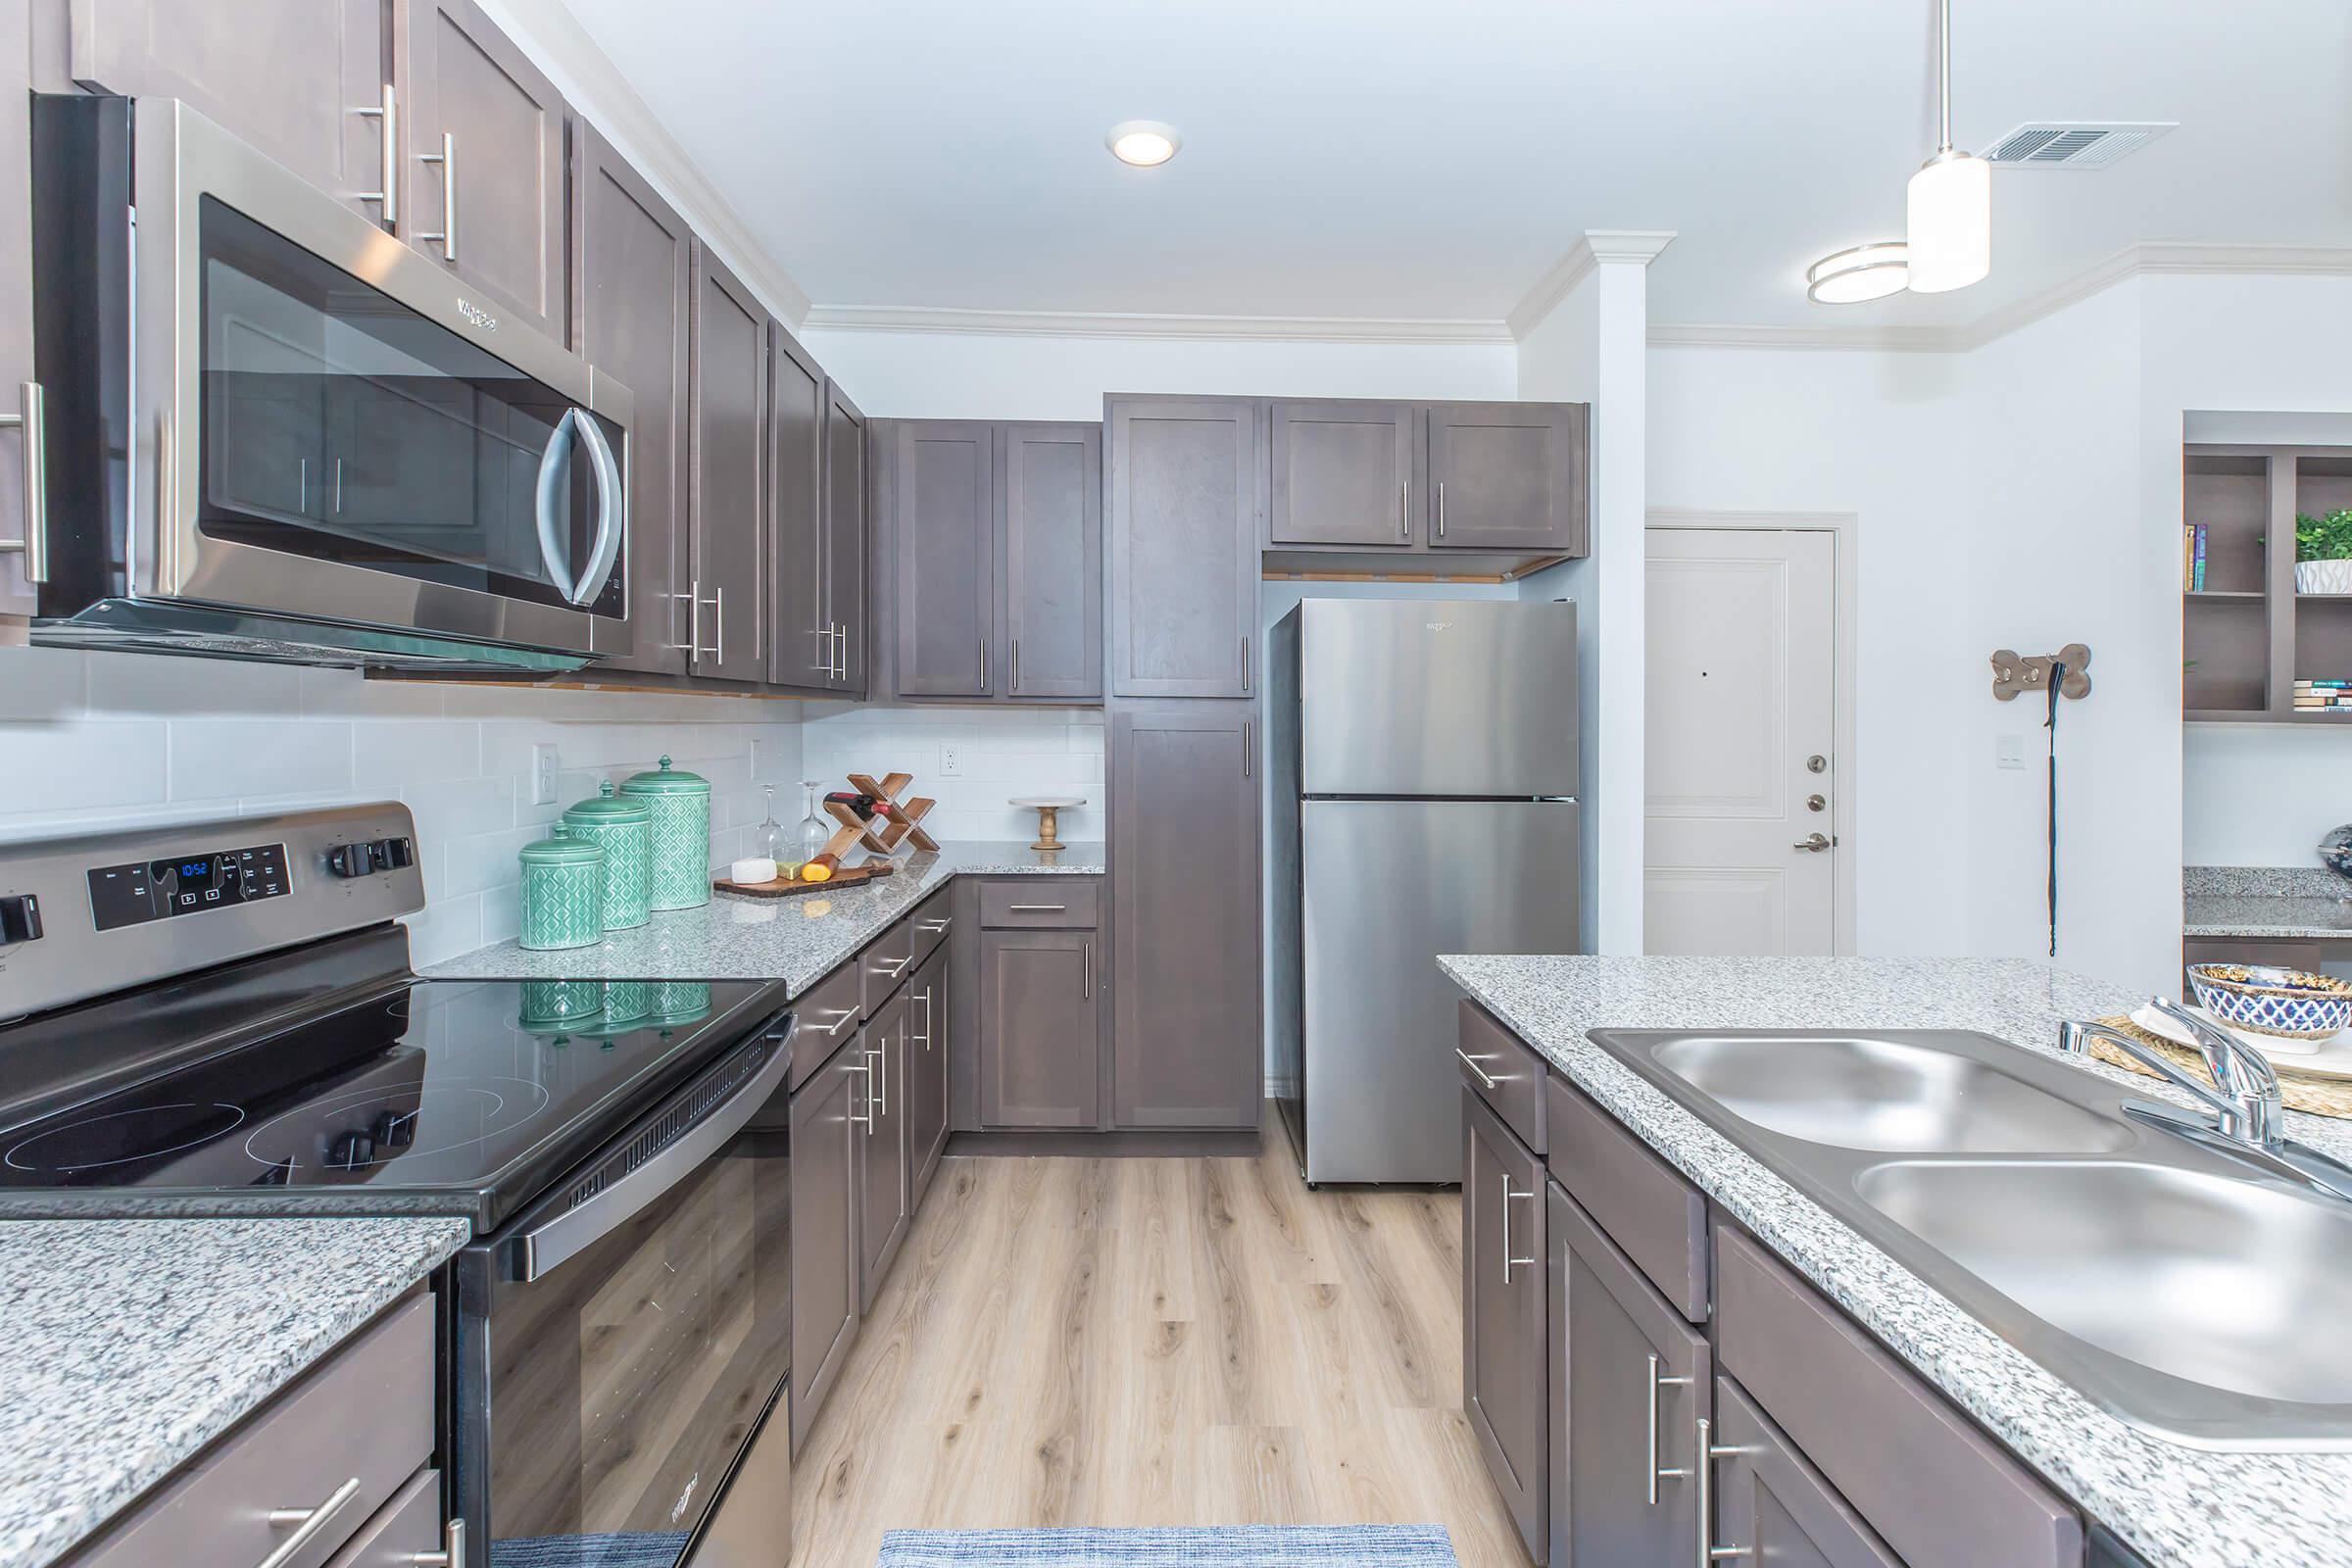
point(2247, 637)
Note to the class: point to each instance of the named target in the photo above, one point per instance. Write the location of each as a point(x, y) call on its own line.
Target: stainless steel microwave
point(269, 429)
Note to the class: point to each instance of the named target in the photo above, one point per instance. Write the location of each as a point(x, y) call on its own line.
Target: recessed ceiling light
point(1860, 272)
point(1144, 143)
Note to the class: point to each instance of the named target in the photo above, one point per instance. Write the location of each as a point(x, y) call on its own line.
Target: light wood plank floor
point(1156, 1342)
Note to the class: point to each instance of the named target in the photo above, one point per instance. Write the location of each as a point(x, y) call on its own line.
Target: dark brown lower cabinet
point(1630, 1382)
point(824, 1229)
point(1774, 1506)
point(928, 1036)
point(1185, 826)
point(1503, 1318)
point(884, 1203)
point(1039, 1028)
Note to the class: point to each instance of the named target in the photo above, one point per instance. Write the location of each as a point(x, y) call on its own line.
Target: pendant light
point(1950, 199)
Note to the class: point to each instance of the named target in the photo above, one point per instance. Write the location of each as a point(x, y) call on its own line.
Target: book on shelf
point(2303, 685)
point(2193, 557)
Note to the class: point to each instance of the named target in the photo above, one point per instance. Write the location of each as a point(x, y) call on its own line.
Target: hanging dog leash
point(2057, 679)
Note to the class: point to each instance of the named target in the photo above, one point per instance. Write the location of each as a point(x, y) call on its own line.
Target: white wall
point(998, 753)
point(2262, 794)
point(95, 740)
point(953, 375)
point(1872, 436)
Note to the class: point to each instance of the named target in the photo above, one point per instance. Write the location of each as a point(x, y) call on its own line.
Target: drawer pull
point(1472, 1062)
point(891, 966)
point(306, 1523)
point(1656, 1473)
point(866, 1121)
point(1508, 1197)
point(936, 925)
point(452, 1548)
point(924, 996)
point(843, 1017)
point(1036, 908)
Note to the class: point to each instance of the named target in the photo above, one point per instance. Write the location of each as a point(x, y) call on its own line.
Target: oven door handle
point(577, 428)
point(549, 1244)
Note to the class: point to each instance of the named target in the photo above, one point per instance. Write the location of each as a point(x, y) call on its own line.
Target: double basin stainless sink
point(2193, 1293)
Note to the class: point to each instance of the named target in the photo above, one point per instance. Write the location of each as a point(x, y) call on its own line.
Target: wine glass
point(816, 831)
point(769, 842)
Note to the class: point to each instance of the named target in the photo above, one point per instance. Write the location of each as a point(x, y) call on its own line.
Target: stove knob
point(392, 855)
point(19, 918)
point(351, 1149)
point(394, 1130)
point(349, 860)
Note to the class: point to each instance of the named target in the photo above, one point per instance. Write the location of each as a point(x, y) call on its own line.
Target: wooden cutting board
point(847, 877)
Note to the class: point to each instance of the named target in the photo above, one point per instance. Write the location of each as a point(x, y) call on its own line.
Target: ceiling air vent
point(2073, 144)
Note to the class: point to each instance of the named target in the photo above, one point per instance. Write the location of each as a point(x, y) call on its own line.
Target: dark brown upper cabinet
point(729, 494)
point(943, 488)
point(1507, 476)
point(1050, 524)
point(1187, 1031)
point(1182, 482)
point(844, 543)
point(481, 182)
point(18, 593)
point(1343, 473)
point(996, 541)
point(632, 283)
point(295, 79)
point(801, 644)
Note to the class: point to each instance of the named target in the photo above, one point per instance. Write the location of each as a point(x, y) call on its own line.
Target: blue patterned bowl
point(2291, 1003)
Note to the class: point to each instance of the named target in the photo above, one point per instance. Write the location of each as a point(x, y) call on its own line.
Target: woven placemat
point(2321, 1097)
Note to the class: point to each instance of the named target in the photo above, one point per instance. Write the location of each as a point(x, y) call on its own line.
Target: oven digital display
point(185, 884)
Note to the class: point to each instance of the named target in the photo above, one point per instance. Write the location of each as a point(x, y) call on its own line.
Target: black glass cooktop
point(413, 1096)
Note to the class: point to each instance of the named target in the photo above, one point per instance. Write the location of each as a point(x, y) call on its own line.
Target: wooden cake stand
point(1048, 808)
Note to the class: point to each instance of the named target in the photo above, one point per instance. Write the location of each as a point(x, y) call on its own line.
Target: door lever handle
point(1814, 844)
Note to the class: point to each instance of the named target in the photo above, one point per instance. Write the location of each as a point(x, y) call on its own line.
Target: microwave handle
point(555, 1242)
point(578, 427)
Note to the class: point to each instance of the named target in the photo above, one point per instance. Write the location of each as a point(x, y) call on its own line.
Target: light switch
point(2008, 750)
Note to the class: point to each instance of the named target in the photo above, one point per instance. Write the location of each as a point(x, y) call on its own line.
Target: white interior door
point(1740, 711)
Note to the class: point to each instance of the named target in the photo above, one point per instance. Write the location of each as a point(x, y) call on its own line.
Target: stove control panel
point(188, 883)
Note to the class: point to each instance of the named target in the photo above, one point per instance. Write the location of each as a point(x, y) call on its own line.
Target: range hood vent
point(2074, 143)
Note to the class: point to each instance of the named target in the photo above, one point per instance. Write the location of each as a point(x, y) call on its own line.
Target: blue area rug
point(656, 1548)
point(1224, 1545)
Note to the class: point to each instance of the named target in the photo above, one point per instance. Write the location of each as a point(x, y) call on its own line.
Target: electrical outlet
point(2008, 750)
point(758, 759)
point(950, 762)
point(543, 774)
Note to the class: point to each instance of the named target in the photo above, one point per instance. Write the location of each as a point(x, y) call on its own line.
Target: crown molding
point(1848, 339)
point(1592, 248)
point(1137, 324)
point(553, 37)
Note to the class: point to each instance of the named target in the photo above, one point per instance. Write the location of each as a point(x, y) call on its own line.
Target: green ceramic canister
point(562, 894)
point(623, 827)
point(680, 803)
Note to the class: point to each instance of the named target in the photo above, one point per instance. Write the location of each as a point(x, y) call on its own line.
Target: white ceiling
point(1432, 160)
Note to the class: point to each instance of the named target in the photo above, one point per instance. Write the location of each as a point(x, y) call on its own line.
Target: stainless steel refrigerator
point(1423, 760)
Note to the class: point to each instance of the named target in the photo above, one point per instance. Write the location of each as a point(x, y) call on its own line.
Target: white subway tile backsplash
point(460, 807)
point(66, 767)
point(146, 686)
point(42, 683)
point(386, 756)
point(259, 757)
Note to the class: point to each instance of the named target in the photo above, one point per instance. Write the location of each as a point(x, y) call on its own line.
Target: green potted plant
point(2324, 553)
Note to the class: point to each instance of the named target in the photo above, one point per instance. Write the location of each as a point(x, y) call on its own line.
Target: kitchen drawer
point(1502, 1072)
point(403, 1529)
point(298, 1451)
point(1942, 1493)
point(930, 924)
point(885, 965)
point(828, 1013)
point(1064, 904)
point(1644, 1203)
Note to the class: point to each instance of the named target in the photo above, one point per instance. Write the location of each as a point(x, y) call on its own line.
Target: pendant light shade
point(1950, 222)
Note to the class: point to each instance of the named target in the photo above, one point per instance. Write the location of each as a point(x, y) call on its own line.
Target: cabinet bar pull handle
point(936, 925)
point(1245, 666)
point(718, 618)
point(33, 417)
point(1405, 510)
point(452, 1548)
point(924, 996)
point(447, 158)
point(1703, 1459)
point(1472, 1062)
point(982, 664)
point(843, 1017)
point(1245, 748)
point(875, 1108)
point(1035, 909)
point(1016, 663)
point(1508, 1197)
point(891, 966)
point(388, 156)
point(306, 1523)
point(1657, 1474)
point(866, 1121)
point(1086, 971)
point(1441, 509)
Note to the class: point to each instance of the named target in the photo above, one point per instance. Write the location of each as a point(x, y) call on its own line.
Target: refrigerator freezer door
point(1389, 885)
point(1437, 697)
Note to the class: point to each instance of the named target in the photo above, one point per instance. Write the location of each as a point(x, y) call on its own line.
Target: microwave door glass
point(340, 424)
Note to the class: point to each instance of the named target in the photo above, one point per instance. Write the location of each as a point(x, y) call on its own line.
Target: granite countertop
point(2305, 902)
point(2179, 1507)
point(132, 1344)
point(798, 940)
